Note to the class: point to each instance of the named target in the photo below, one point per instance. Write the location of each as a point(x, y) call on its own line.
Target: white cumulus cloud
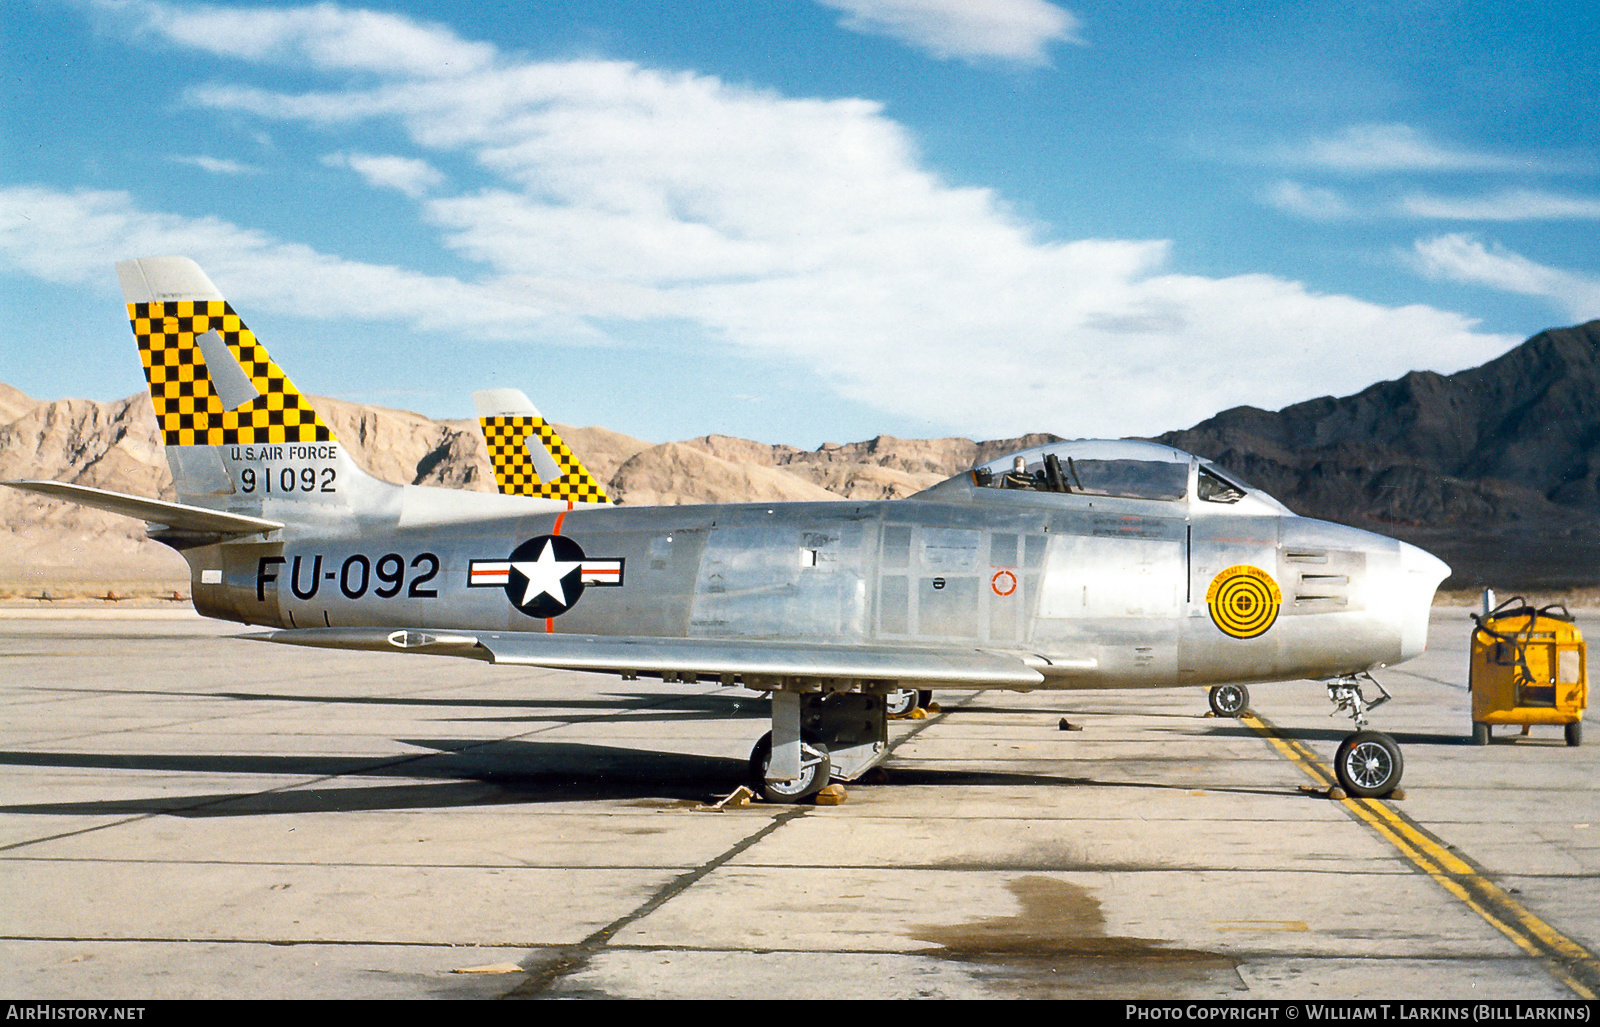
point(76, 237)
point(1364, 149)
point(1311, 202)
point(407, 174)
point(1511, 205)
point(1018, 31)
point(325, 36)
point(216, 165)
point(1462, 258)
point(785, 227)
point(1318, 204)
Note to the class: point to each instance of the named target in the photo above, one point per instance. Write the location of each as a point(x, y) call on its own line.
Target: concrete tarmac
point(186, 814)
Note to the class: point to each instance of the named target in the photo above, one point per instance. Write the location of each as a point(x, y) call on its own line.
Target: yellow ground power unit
point(1529, 666)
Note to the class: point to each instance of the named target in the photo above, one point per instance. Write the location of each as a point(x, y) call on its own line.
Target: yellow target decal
point(1244, 601)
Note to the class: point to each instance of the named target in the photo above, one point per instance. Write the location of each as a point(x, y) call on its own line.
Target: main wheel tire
point(1229, 700)
point(1480, 733)
point(925, 698)
point(815, 771)
point(1369, 764)
point(1575, 733)
point(901, 701)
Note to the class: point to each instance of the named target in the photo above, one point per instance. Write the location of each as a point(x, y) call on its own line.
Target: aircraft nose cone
point(1420, 574)
point(1423, 564)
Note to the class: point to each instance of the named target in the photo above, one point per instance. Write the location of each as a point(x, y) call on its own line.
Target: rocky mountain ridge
point(1495, 468)
point(115, 446)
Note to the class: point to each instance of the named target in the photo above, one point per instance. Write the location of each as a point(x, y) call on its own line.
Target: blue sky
point(808, 221)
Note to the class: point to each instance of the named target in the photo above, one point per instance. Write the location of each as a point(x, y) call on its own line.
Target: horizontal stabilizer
point(177, 516)
point(704, 657)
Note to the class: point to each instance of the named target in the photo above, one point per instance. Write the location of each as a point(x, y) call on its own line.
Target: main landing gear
point(816, 770)
point(903, 702)
point(1368, 763)
point(1229, 700)
point(817, 737)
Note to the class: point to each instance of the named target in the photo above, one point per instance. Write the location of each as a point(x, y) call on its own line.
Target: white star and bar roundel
point(545, 576)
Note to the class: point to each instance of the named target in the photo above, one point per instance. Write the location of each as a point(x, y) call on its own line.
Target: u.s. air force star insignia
point(545, 576)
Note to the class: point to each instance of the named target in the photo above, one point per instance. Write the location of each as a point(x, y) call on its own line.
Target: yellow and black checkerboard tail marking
point(191, 398)
point(512, 439)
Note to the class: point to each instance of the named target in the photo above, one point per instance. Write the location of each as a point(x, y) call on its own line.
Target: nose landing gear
point(1368, 763)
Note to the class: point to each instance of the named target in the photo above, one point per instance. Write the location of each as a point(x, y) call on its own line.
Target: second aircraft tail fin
point(529, 456)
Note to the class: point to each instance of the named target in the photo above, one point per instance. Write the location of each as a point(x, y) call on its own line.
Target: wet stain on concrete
point(1058, 946)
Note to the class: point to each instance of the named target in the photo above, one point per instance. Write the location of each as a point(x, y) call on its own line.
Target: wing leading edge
point(762, 665)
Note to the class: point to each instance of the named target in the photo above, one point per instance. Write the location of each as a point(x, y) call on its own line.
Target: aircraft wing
point(708, 658)
point(176, 516)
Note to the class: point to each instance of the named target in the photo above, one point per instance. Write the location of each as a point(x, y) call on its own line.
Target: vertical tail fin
point(529, 456)
point(238, 434)
point(211, 382)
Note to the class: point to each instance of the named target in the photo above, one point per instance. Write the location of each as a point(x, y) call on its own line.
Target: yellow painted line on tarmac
point(1567, 961)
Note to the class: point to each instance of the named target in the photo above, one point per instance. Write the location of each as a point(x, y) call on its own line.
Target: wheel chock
point(737, 799)
point(1336, 792)
point(832, 795)
point(491, 968)
point(934, 707)
point(1067, 725)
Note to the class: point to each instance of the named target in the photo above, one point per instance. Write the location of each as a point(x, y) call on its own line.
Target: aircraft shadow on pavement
point(466, 773)
point(634, 706)
point(1073, 711)
point(458, 774)
point(1339, 734)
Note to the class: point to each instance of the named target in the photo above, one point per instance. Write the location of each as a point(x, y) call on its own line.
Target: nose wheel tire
point(815, 771)
point(1229, 700)
point(1575, 733)
point(1369, 764)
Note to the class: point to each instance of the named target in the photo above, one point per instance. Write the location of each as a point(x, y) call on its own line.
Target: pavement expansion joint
point(578, 956)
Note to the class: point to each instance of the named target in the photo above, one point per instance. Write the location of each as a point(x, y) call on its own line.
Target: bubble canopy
point(1119, 468)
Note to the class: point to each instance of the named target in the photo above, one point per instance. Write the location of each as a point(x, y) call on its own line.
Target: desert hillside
point(1496, 469)
point(53, 545)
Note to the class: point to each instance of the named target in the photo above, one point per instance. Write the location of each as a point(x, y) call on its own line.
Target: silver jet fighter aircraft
point(1078, 565)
